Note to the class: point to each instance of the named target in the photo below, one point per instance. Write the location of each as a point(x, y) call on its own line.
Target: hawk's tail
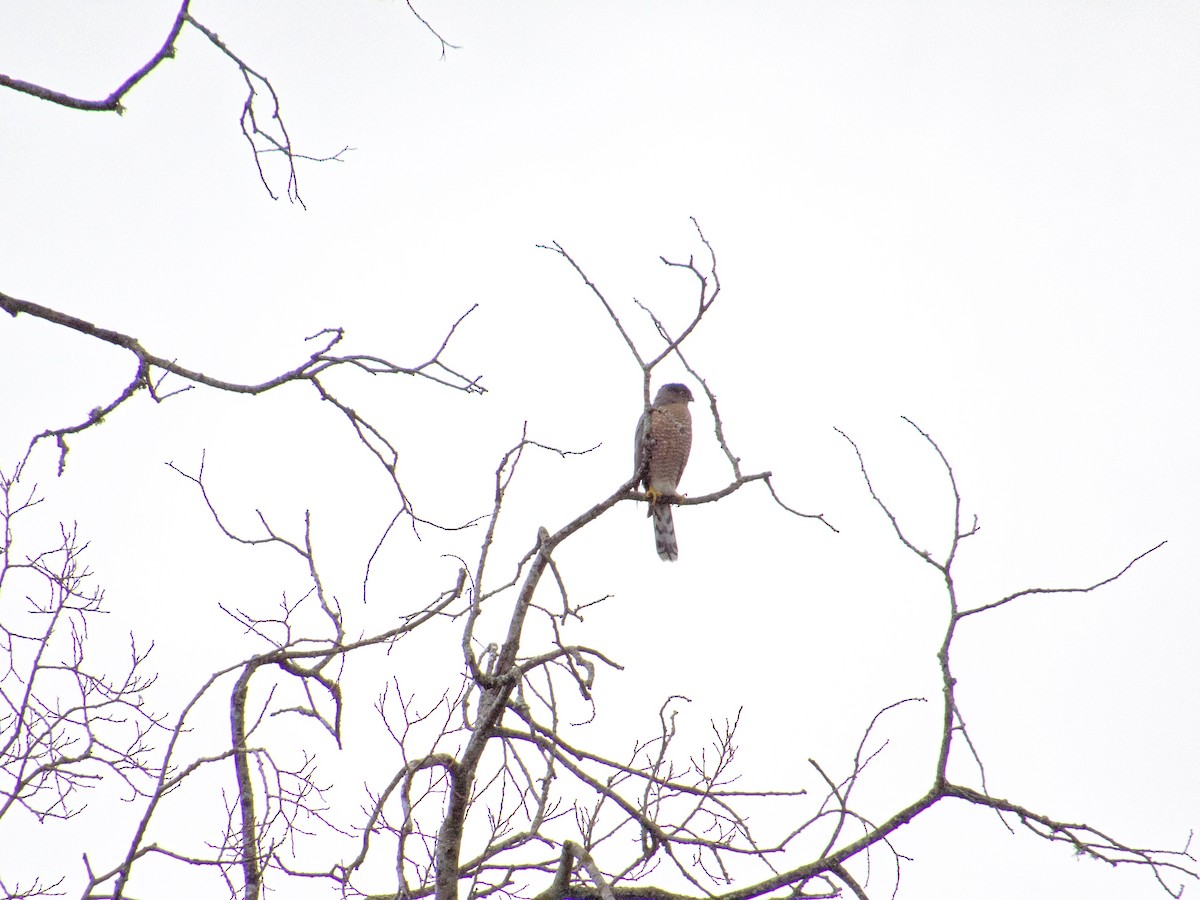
point(664, 532)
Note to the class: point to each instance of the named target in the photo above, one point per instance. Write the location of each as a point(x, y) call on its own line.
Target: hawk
point(660, 452)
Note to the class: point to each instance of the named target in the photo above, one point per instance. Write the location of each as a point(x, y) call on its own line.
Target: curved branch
point(111, 103)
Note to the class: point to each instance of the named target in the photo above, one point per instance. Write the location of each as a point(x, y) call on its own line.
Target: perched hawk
point(660, 451)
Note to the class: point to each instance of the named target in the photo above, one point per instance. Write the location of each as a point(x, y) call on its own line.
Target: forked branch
point(707, 286)
point(152, 371)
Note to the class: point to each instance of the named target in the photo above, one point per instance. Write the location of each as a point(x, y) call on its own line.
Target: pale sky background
point(983, 216)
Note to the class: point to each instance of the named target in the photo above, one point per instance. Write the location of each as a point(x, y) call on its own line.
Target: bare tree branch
point(264, 131)
point(446, 45)
point(310, 371)
point(111, 103)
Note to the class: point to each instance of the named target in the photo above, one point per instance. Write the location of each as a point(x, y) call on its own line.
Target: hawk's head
point(673, 393)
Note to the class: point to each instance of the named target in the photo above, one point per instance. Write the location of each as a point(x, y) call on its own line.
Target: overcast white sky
point(983, 216)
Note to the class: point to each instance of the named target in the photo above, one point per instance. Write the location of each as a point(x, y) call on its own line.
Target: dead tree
point(486, 787)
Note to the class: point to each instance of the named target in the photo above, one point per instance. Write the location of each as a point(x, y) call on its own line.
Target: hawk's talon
point(653, 496)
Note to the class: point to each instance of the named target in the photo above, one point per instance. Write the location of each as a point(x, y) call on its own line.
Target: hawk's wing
point(641, 450)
